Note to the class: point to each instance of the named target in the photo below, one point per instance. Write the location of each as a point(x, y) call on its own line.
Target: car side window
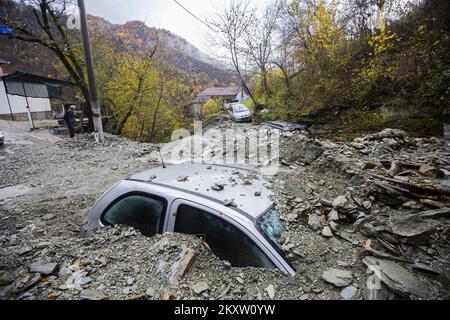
point(144, 213)
point(225, 240)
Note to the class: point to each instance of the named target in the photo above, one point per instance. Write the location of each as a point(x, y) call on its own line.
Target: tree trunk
point(161, 91)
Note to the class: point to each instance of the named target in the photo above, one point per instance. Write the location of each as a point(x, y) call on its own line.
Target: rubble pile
point(299, 149)
point(83, 142)
point(387, 194)
point(367, 219)
point(120, 263)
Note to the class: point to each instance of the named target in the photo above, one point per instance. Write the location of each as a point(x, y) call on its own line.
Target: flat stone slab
point(200, 287)
point(413, 226)
point(397, 278)
point(340, 278)
point(93, 295)
point(348, 293)
point(43, 268)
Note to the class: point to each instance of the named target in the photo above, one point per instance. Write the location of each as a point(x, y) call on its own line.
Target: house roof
point(34, 78)
point(201, 99)
point(220, 91)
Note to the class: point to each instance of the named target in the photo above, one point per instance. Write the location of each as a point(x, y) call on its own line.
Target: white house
point(24, 96)
point(16, 107)
point(226, 94)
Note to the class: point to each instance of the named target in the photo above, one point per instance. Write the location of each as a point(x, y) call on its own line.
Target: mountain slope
point(133, 35)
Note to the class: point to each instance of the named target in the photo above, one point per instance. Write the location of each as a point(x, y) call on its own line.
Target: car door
point(227, 239)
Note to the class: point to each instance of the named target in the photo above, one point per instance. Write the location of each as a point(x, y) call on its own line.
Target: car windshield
point(239, 108)
point(270, 223)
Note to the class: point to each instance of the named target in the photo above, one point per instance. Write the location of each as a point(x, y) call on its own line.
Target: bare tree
point(362, 16)
point(230, 28)
point(158, 104)
point(260, 42)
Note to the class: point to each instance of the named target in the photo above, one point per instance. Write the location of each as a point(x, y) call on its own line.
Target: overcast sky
point(162, 14)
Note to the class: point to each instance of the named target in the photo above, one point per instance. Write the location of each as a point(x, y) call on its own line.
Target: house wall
point(4, 107)
point(40, 107)
point(242, 95)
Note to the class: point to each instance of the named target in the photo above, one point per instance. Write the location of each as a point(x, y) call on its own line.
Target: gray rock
point(333, 215)
point(397, 278)
point(217, 187)
point(200, 287)
point(24, 250)
point(43, 268)
point(326, 232)
point(367, 205)
point(340, 278)
point(334, 226)
point(299, 150)
point(240, 280)
point(344, 264)
point(85, 280)
point(314, 222)
point(426, 268)
point(388, 193)
point(151, 292)
point(413, 226)
point(90, 294)
point(348, 293)
point(341, 203)
point(127, 290)
point(29, 281)
point(48, 216)
point(270, 291)
point(304, 297)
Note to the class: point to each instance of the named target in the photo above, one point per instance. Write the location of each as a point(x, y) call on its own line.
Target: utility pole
point(95, 104)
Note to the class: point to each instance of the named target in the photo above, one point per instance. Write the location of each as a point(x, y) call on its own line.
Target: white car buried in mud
point(229, 208)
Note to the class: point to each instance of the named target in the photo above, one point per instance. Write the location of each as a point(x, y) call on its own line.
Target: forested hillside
point(146, 77)
point(348, 66)
point(133, 35)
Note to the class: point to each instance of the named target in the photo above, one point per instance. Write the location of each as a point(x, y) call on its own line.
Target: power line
point(193, 15)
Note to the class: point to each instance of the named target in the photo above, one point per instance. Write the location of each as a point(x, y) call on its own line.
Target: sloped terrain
point(341, 216)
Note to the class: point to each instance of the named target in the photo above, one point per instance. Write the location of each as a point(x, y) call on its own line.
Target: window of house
point(143, 213)
point(225, 240)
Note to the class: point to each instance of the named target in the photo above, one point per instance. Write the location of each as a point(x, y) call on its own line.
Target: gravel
point(49, 187)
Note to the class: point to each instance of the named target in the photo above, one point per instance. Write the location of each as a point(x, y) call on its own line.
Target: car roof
point(240, 185)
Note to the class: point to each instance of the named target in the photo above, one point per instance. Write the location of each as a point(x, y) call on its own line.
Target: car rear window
point(239, 108)
point(142, 212)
